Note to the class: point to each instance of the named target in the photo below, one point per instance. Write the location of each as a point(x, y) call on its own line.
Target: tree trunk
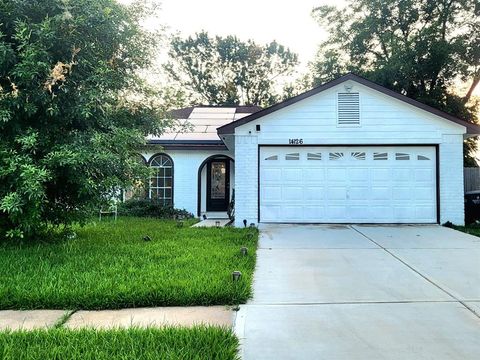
point(475, 82)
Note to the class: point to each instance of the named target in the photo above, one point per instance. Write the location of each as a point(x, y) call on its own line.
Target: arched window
point(161, 182)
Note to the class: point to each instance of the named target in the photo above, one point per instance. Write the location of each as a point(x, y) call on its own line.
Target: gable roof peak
point(230, 128)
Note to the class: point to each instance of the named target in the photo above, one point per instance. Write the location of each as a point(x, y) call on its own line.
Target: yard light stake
point(244, 251)
point(236, 275)
point(217, 223)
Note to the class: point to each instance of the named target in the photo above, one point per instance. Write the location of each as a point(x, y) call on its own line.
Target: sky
point(287, 22)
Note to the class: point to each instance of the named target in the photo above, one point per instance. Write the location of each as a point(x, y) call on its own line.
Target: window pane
point(358, 155)
point(154, 193)
point(402, 156)
point(380, 156)
point(292, 156)
point(218, 180)
point(335, 156)
point(161, 184)
point(314, 156)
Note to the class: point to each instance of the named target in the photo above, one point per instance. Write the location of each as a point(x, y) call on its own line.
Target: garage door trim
point(437, 164)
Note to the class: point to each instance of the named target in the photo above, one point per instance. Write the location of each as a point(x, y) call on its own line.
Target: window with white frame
point(161, 182)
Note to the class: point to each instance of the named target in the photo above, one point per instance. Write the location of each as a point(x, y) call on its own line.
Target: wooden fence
point(471, 178)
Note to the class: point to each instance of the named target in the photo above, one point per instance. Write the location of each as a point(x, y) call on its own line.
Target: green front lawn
point(109, 265)
point(469, 229)
point(146, 344)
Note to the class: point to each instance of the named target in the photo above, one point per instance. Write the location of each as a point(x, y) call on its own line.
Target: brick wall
point(246, 181)
point(451, 179)
point(185, 176)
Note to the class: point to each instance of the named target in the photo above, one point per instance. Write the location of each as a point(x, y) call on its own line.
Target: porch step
point(212, 223)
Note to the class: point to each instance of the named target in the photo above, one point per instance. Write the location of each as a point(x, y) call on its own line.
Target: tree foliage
point(72, 108)
point(420, 48)
point(227, 71)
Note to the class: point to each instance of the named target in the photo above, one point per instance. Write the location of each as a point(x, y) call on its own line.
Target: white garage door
point(348, 184)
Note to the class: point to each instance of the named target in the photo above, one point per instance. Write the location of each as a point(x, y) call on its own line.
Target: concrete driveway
point(363, 292)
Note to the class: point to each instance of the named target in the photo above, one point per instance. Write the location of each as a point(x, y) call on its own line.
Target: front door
point(218, 185)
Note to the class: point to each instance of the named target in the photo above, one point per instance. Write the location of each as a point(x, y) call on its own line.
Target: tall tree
point(227, 71)
point(72, 108)
point(420, 48)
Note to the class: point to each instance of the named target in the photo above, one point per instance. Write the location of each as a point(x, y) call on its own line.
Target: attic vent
point(348, 108)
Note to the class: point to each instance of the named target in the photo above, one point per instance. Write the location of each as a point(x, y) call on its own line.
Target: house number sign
point(295, 141)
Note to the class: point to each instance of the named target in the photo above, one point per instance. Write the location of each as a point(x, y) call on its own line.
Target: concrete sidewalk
point(123, 318)
point(363, 292)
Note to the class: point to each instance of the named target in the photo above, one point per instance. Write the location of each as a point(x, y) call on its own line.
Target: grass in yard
point(469, 229)
point(109, 265)
point(87, 344)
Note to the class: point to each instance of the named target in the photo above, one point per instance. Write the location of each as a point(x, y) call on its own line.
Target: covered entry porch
point(216, 175)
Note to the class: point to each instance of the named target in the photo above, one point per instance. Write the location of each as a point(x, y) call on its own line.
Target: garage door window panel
point(358, 155)
point(292, 156)
point(335, 156)
point(402, 156)
point(314, 156)
point(380, 156)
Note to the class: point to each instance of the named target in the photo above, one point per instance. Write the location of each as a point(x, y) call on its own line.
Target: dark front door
point(218, 185)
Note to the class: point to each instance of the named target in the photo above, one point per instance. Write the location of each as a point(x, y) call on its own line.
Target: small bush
point(151, 208)
point(449, 224)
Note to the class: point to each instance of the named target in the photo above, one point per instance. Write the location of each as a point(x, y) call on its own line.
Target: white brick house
point(349, 151)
